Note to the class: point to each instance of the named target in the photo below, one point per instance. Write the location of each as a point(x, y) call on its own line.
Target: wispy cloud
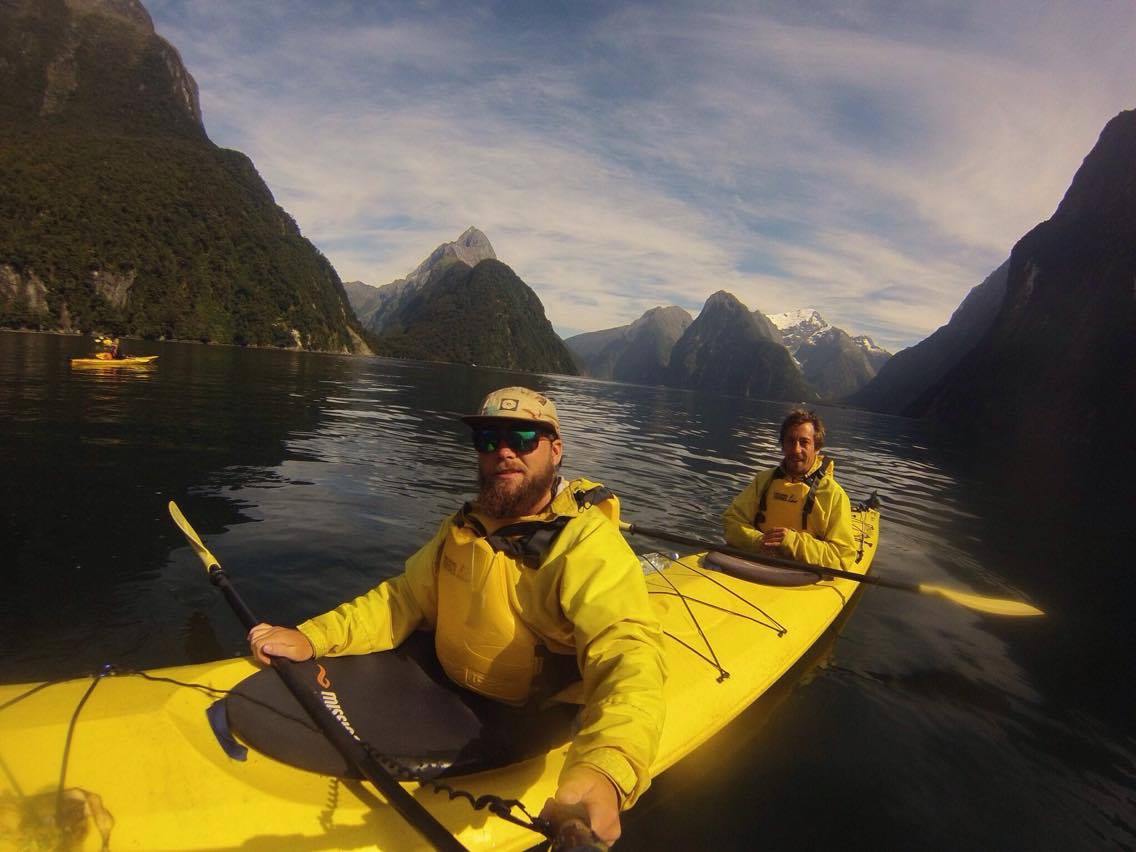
point(873, 166)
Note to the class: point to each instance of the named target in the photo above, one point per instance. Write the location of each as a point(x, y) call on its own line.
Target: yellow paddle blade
point(207, 558)
point(980, 603)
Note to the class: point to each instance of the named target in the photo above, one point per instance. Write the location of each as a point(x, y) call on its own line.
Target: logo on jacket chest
point(786, 498)
point(462, 570)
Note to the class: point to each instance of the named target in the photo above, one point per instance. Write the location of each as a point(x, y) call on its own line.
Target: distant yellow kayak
point(138, 361)
point(138, 765)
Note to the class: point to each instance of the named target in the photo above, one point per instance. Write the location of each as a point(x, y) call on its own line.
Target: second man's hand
point(773, 538)
point(267, 641)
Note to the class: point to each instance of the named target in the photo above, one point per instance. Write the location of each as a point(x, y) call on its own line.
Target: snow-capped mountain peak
point(800, 317)
point(798, 327)
point(870, 346)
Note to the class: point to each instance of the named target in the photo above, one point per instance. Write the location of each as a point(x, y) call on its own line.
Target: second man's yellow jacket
point(826, 537)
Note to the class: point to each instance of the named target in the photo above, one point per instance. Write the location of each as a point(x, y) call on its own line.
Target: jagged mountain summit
point(799, 326)
point(877, 355)
point(381, 309)
point(118, 213)
point(485, 315)
point(726, 349)
point(805, 325)
point(462, 305)
point(638, 352)
point(832, 361)
point(470, 248)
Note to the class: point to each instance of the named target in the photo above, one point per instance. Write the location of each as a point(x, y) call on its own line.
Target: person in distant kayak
point(111, 350)
point(533, 572)
point(797, 509)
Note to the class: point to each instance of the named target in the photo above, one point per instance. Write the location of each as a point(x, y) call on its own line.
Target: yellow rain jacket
point(587, 597)
point(826, 537)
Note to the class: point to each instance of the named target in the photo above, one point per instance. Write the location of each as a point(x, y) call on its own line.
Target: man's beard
point(498, 501)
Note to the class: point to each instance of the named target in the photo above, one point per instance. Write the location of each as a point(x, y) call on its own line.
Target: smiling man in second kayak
point(797, 509)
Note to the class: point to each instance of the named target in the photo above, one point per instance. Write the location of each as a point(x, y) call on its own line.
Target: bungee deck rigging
point(671, 589)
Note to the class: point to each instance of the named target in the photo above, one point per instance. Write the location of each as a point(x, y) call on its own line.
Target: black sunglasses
point(490, 439)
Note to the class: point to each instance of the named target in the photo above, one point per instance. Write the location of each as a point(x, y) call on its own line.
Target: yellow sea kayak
point(136, 361)
point(144, 769)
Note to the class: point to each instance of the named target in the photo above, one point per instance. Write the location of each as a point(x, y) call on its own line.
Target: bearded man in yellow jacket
point(796, 510)
point(535, 567)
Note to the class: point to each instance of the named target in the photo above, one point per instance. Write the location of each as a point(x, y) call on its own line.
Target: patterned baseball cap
point(516, 404)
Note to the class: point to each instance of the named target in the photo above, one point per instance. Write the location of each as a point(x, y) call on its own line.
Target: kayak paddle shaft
point(344, 741)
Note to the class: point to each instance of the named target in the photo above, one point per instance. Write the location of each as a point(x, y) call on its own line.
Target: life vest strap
point(465, 516)
point(759, 518)
point(594, 495)
point(530, 541)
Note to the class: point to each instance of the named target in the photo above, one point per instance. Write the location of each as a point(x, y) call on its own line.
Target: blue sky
point(872, 160)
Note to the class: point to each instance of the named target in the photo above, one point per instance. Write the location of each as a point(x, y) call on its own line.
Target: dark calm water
point(919, 725)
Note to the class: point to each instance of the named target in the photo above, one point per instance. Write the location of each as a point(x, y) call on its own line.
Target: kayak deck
point(143, 747)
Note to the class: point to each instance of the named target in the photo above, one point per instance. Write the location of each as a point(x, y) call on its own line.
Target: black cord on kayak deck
point(863, 534)
point(33, 691)
point(776, 628)
point(95, 680)
point(110, 670)
point(107, 670)
point(713, 658)
point(774, 624)
point(328, 813)
point(216, 690)
point(496, 805)
point(769, 621)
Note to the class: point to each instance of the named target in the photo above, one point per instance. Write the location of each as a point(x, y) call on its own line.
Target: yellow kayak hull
point(145, 770)
point(139, 361)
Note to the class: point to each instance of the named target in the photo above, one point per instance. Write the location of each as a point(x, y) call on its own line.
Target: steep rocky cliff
point(639, 352)
point(118, 213)
point(485, 316)
point(726, 350)
point(912, 371)
point(1054, 378)
point(385, 305)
